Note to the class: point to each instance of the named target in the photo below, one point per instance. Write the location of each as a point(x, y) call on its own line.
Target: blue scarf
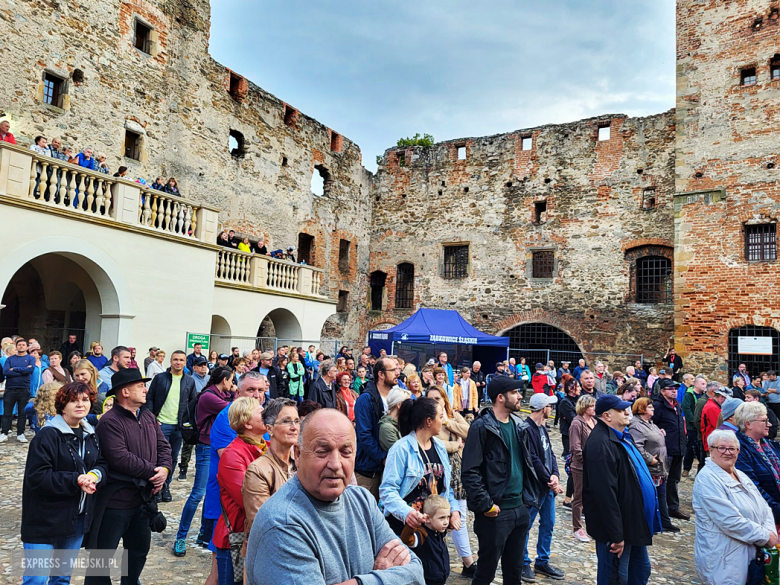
point(649, 495)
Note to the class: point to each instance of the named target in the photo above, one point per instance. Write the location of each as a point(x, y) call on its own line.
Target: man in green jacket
point(689, 404)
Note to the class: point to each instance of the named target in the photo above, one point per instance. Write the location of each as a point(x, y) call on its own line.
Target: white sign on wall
point(755, 345)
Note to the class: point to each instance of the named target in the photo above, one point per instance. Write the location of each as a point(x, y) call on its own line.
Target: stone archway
point(539, 342)
point(221, 340)
point(282, 324)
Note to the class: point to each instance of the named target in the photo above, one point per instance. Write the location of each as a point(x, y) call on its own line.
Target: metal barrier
point(226, 343)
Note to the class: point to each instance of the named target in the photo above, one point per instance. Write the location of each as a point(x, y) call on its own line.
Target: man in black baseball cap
point(499, 478)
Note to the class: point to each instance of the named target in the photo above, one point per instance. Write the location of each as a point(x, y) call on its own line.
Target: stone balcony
point(43, 184)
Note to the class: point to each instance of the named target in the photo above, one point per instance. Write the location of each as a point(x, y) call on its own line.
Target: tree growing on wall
point(426, 141)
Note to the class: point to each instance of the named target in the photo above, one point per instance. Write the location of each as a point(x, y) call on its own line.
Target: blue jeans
point(225, 568)
point(72, 544)
point(202, 457)
point(632, 568)
point(544, 538)
point(173, 435)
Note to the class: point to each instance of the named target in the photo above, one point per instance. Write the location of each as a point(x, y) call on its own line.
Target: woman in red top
point(246, 419)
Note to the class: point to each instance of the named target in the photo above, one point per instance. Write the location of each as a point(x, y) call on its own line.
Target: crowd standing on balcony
point(291, 448)
point(229, 239)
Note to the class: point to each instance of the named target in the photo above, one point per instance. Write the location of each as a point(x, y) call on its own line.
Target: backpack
point(190, 430)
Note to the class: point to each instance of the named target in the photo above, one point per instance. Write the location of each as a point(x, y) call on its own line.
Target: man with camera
point(139, 461)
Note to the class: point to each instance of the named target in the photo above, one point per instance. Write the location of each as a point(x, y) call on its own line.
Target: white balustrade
point(167, 213)
point(234, 266)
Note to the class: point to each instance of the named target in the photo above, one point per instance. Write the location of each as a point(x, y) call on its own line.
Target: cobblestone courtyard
point(671, 554)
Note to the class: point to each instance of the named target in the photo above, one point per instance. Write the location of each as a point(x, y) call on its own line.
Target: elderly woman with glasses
point(732, 518)
point(266, 474)
point(759, 458)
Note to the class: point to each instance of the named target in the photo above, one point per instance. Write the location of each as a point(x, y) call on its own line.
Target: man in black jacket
point(69, 346)
point(546, 467)
point(170, 408)
point(479, 379)
point(272, 373)
point(618, 497)
point(668, 416)
point(323, 391)
point(500, 482)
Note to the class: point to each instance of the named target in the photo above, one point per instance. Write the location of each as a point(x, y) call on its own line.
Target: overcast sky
point(377, 71)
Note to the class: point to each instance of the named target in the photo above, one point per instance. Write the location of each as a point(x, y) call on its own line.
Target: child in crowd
point(429, 542)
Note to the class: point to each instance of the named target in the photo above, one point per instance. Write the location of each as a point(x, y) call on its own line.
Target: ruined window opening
point(132, 145)
point(143, 37)
point(774, 67)
point(440, 192)
point(605, 133)
point(306, 248)
point(236, 144)
point(540, 207)
point(401, 158)
point(528, 143)
point(320, 181)
point(653, 280)
point(336, 141)
point(341, 307)
point(404, 286)
point(648, 198)
point(443, 184)
point(52, 90)
point(456, 261)
point(284, 161)
point(748, 76)
point(461, 152)
point(78, 76)
point(236, 86)
point(290, 115)
point(465, 189)
point(378, 279)
point(543, 264)
point(761, 242)
point(344, 255)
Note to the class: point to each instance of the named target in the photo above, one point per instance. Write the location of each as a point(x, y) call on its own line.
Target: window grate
point(533, 341)
point(52, 89)
point(543, 264)
point(653, 280)
point(378, 279)
point(755, 363)
point(456, 261)
point(404, 286)
point(761, 242)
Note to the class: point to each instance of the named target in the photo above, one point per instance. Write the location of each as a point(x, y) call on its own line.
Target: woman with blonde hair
point(454, 431)
point(414, 385)
point(86, 373)
point(409, 370)
point(341, 364)
point(43, 404)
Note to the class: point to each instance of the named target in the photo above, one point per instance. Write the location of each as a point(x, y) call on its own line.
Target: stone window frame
point(343, 303)
point(153, 39)
point(441, 262)
point(136, 128)
point(529, 264)
point(64, 92)
point(633, 255)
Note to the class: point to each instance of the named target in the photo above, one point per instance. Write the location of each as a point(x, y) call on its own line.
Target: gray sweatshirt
point(299, 540)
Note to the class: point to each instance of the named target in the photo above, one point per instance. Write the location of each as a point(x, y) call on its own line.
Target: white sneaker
point(3, 438)
point(581, 535)
point(21, 438)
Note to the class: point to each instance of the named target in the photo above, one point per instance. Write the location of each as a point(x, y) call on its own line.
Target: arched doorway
point(55, 294)
point(755, 363)
point(282, 324)
point(220, 335)
point(540, 342)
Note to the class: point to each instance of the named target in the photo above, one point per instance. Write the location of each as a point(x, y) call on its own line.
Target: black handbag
point(757, 568)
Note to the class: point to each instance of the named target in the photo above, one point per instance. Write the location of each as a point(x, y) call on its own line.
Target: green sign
point(202, 338)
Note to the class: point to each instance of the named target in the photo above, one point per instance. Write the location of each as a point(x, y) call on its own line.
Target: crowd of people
point(229, 239)
point(86, 158)
point(374, 458)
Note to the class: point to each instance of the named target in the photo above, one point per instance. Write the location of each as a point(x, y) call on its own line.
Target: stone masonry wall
point(726, 174)
point(185, 104)
point(594, 222)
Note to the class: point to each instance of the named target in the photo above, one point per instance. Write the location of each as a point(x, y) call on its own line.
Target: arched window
point(539, 343)
point(404, 286)
point(650, 274)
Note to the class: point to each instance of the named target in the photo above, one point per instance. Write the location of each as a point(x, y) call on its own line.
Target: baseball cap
point(610, 402)
point(154, 348)
point(430, 362)
point(539, 366)
point(502, 385)
point(266, 356)
point(199, 361)
point(723, 391)
point(223, 356)
point(540, 400)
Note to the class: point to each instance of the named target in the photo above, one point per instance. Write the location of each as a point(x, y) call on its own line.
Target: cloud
point(377, 71)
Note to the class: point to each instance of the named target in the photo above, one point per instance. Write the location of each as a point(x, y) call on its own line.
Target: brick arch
point(757, 320)
point(569, 326)
point(642, 242)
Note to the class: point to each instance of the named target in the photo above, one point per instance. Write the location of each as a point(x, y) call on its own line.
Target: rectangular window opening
point(540, 208)
point(462, 152)
point(605, 133)
point(401, 158)
point(456, 261)
point(748, 76)
point(648, 198)
point(132, 145)
point(404, 286)
point(761, 242)
point(336, 141)
point(343, 304)
point(306, 249)
point(377, 280)
point(344, 255)
point(52, 90)
point(774, 68)
point(143, 41)
point(528, 143)
point(290, 114)
point(654, 280)
point(543, 264)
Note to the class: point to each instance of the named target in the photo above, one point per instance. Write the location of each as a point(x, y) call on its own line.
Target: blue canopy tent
point(429, 331)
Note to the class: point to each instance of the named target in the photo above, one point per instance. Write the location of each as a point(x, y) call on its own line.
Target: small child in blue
point(429, 542)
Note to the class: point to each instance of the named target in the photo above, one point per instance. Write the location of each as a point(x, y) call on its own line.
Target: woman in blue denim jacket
point(416, 467)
